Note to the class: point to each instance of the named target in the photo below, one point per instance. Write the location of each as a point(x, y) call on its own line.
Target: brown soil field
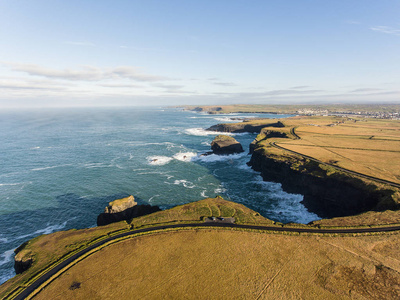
point(228, 264)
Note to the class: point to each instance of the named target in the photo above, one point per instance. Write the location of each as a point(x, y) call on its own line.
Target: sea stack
point(124, 209)
point(224, 144)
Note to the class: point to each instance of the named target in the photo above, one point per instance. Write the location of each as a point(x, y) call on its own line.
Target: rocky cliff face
point(243, 127)
point(328, 193)
point(124, 209)
point(224, 144)
point(23, 259)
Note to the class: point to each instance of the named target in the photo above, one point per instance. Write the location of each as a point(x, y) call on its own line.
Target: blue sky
point(167, 52)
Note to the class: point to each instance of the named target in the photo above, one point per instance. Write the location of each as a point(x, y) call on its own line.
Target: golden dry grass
point(368, 146)
point(226, 264)
point(48, 249)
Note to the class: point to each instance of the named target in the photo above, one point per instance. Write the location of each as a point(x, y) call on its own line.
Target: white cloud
point(225, 83)
point(365, 90)
point(386, 29)
point(85, 73)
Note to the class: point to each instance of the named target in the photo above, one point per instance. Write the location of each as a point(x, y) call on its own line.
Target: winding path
point(47, 277)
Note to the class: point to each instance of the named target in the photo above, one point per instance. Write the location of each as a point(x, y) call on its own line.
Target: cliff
point(253, 126)
point(327, 191)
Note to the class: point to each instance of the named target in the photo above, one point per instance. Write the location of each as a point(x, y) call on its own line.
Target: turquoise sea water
point(60, 168)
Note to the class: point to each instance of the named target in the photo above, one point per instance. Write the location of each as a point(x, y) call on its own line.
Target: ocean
point(61, 167)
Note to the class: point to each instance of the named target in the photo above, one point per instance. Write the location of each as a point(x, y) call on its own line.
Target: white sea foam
point(245, 167)
point(47, 230)
point(185, 156)
point(286, 206)
point(3, 240)
point(226, 119)
point(214, 157)
point(219, 190)
point(10, 184)
point(158, 160)
point(6, 257)
point(206, 143)
point(185, 183)
point(203, 132)
point(50, 167)
point(203, 194)
point(151, 199)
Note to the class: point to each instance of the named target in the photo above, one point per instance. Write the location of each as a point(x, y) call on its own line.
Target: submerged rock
point(224, 144)
point(124, 209)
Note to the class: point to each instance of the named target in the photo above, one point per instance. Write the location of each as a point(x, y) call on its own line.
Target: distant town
point(378, 111)
point(366, 114)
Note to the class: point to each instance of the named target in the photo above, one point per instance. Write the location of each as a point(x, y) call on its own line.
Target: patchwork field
point(226, 264)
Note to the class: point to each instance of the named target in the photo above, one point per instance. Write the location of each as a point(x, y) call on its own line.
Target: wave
point(219, 190)
point(185, 156)
point(50, 167)
point(215, 158)
point(202, 132)
point(287, 206)
point(158, 160)
point(185, 183)
point(11, 184)
point(47, 230)
point(227, 119)
point(7, 257)
point(3, 240)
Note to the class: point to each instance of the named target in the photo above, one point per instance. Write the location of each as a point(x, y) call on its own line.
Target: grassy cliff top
point(172, 253)
point(48, 249)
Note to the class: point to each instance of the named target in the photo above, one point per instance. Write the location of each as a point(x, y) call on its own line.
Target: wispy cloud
point(17, 86)
point(168, 86)
point(273, 93)
point(86, 73)
point(225, 83)
point(386, 29)
point(118, 85)
point(365, 90)
point(299, 87)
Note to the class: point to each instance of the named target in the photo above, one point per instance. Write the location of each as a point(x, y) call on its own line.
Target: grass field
point(226, 264)
point(368, 146)
point(46, 250)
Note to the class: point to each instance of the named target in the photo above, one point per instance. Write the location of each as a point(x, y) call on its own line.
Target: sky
point(57, 53)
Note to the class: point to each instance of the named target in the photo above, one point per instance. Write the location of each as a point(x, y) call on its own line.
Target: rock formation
point(244, 126)
point(224, 144)
point(23, 259)
point(124, 209)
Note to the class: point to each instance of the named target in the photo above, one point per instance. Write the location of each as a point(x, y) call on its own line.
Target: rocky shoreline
point(328, 196)
point(326, 192)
